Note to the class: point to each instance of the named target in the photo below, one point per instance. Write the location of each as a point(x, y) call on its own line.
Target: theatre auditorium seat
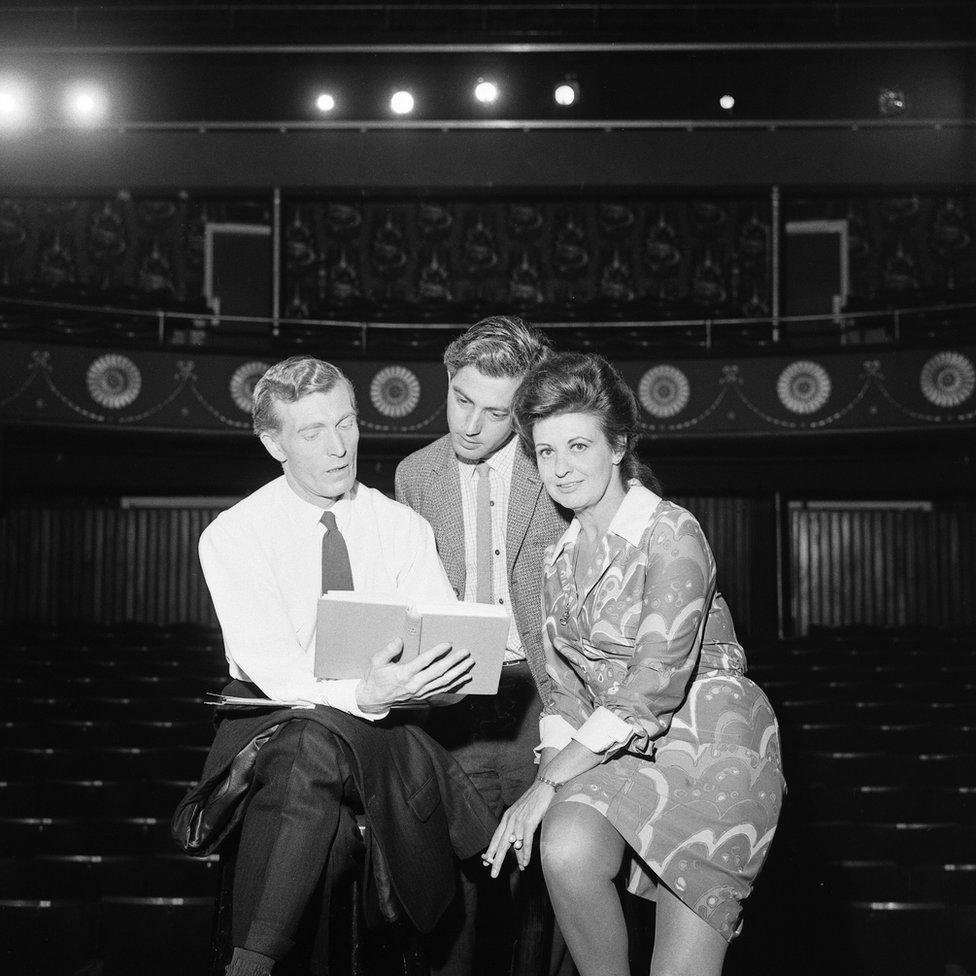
point(103, 731)
point(872, 871)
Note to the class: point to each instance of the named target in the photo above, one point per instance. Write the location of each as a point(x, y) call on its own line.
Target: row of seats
point(111, 936)
point(860, 714)
point(835, 769)
point(90, 798)
point(906, 737)
point(104, 732)
point(154, 702)
point(50, 877)
point(108, 762)
point(882, 804)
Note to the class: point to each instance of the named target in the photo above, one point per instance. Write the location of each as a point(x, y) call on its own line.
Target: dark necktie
point(483, 540)
point(336, 572)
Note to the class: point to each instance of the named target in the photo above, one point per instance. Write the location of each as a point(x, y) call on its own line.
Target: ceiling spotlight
point(567, 93)
point(325, 102)
point(727, 102)
point(14, 104)
point(891, 101)
point(486, 92)
point(86, 105)
point(401, 103)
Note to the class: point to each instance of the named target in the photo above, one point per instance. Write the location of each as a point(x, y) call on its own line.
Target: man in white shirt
point(492, 522)
point(266, 561)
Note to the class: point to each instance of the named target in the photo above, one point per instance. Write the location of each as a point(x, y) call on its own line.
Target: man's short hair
point(288, 381)
point(500, 345)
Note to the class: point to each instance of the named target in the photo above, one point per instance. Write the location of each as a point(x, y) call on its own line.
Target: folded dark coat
point(421, 809)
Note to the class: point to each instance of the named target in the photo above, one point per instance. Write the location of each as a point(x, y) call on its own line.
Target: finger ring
point(512, 838)
point(518, 842)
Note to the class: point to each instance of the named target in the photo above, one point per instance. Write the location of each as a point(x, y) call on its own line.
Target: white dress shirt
point(262, 560)
point(500, 466)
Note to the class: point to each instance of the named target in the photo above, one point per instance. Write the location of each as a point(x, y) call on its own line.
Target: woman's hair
point(288, 381)
point(500, 345)
point(572, 382)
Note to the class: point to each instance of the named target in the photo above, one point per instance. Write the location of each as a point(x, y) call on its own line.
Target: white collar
point(501, 461)
point(304, 511)
point(628, 522)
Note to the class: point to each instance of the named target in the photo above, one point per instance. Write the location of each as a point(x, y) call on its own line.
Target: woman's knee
point(578, 846)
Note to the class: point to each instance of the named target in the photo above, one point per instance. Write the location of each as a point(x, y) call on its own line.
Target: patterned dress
point(647, 671)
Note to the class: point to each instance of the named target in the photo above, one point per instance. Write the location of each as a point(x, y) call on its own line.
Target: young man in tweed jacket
point(499, 530)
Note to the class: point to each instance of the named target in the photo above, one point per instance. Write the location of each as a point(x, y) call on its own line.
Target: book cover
point(479, 627)
point(351, 628)
point(349, 631)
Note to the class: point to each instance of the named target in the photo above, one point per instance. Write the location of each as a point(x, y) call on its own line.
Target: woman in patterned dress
point(657, 754)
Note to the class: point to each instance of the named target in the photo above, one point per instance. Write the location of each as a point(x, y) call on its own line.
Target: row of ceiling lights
point(486, 92)
point(81, 103)
point(88, 104)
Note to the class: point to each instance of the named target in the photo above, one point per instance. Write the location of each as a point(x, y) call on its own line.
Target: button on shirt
point(262, 560)
point(500, 466)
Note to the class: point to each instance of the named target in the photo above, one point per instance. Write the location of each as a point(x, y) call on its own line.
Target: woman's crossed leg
point(581, 855)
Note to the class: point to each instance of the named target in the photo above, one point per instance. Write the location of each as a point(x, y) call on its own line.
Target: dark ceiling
point(266, 22)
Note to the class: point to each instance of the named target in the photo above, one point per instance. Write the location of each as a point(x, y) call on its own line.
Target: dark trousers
point(493, 738)
point(298, 840)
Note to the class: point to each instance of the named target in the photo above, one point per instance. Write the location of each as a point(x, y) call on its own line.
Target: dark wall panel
point(103, 565)
point(882, 566)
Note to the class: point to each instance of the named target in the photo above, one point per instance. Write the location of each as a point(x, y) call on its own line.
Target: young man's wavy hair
point(500, 345)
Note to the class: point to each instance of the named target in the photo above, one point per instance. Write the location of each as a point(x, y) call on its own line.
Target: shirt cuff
point(554, 733)
point(603, 730)
point(341, 693)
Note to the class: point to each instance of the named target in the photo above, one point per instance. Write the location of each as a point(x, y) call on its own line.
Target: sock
point(244, 962)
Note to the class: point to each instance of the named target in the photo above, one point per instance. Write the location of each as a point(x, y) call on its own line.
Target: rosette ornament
point(664, 391)
point(803, 387)
point(114, 381)
point(395, 391)
point(243, 381)
point(948, 379)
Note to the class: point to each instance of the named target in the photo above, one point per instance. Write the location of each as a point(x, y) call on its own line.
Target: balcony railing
point(200, 328)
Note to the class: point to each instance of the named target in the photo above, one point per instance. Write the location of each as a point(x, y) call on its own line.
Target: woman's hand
point(517, 828)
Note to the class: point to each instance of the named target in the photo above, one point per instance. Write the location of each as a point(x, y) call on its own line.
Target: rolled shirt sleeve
point(554, 733)
point(603, 731)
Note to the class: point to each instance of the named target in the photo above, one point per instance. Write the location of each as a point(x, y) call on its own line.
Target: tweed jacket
point(428, 481)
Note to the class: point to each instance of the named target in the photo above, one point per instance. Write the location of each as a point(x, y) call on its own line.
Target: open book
point(352, 627)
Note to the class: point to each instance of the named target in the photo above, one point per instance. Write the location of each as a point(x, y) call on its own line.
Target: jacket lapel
point(522, 501)
point(443, 493)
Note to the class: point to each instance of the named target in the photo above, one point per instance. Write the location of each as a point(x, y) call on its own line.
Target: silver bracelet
point(549, 782)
